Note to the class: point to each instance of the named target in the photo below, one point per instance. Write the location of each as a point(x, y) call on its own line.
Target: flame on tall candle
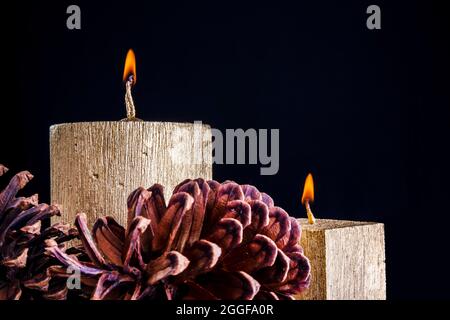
point(308, 196)
point(129, 71)
point(129, 76)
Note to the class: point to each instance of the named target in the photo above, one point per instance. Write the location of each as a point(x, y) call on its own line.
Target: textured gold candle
point(95, 165)
point(347, 257)
point(347, 260)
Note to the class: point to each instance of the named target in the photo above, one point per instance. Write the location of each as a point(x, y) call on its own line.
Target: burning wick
point(308, 196)
point(129, 76)
point(129, 103)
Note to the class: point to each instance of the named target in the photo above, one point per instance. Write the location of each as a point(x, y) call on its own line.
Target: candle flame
point(308, 190)
point(129, 71)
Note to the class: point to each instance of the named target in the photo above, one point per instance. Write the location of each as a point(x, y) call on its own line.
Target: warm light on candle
point(308, 196)
point(129, 71)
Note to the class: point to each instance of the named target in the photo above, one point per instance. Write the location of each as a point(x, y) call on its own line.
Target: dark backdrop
point(367, 112)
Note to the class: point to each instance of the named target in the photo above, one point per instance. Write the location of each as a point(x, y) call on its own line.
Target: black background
point(366, 111)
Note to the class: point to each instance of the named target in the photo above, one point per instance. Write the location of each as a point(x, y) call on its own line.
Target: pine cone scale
point(203, 256)
point(132, 248)
point(110, 237)
point(170, 223)
point(259, 253)
point(17, 182)
point(169, 264)
point(87, 240)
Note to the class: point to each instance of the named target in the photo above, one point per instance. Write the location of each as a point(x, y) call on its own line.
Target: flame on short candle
point(129, 76)
point(308, 196)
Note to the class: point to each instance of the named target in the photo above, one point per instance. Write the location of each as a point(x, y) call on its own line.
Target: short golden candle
point(347, 257)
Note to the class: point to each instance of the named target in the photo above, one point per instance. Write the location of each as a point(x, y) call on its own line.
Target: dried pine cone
point(23, 259)
point(212, 241)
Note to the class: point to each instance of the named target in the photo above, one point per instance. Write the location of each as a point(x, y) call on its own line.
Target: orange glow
point(308, 190)
point(130, 66)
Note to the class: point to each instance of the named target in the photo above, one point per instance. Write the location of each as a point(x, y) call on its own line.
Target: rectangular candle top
point(324, 224)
